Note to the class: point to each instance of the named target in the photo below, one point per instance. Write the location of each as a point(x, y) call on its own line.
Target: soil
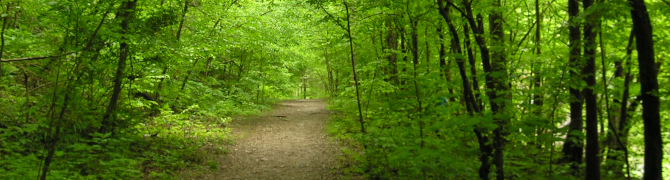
point(288, 143)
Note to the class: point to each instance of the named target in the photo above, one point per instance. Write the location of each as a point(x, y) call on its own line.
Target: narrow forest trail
point(288, 143)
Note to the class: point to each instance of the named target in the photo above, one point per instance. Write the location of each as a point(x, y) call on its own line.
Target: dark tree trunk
point(181, 22)
point(2, 36)
point(126, 14)
point(592, 143)
point(392, 47)
point(444, 67)
point(501, 86)
point(330, 75)
point(164, 73)
point(427, 53)
point(621, 126)
point(471, 103)
point(403, 47)
point(573, 145)
point(537, 79)
point(653, 142)
point(473, 65)
point(353, 69)
point(443, 54)
point(188, 74)
point(415, 64)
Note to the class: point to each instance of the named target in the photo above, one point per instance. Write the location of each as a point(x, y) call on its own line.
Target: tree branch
point(331, 16)
point(666, 2)
point(32, 58)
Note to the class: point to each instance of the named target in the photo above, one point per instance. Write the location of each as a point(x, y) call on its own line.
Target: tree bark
point(653, 142)
point(392, 46)
point(500, 86)
point(2, 36)
point(592, 143)
point(537, 79)
point(126, 14)
point(181, 22)
point(444, 67)
point(331, 86)
point(473, 65)
point(471, 104)
point(353, 68)
point(621, 126)
point(573, 145)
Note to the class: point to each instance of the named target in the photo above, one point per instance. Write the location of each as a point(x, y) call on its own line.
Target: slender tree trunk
point(353, 67)
point(403, 47)
point(427, 53)
point(188, 74)
point(392, 45)
point(108, 121)
point(573, 145)
point(209, 63)
point(621, 126)
point(537, 93)
point(183, 17)
point(330, 75)
point(653, 142)
point(415, 63)
point(473, 65)
point(501, 86)
point(592, 143)
point(304, 88)
point(164, 73)
point(471, 104)
point(2, 36)
point(444, 67)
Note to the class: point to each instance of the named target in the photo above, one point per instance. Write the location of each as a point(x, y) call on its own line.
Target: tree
point(573, 146)
point(653, 142)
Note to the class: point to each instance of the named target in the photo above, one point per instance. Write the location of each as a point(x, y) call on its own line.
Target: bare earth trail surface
point(288, 143)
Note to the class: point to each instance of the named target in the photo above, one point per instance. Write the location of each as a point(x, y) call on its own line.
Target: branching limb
point(32, 58)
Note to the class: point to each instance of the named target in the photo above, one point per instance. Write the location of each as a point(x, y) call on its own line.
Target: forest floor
point(289, 142)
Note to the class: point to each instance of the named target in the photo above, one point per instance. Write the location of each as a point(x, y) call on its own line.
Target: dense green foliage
point(426, 89)
point(416, 114)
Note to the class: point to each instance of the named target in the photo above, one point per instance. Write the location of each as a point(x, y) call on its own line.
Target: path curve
point(288, 143)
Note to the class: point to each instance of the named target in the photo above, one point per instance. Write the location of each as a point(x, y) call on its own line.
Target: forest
point(418, 89)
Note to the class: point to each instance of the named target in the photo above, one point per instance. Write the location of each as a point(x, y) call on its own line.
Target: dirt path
point(288, 143)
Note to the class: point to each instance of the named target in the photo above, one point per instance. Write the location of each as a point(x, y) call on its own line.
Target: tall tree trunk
point(403, 47)
point(653, 142)
point(181, 22)
point(592, 143)
point(537, 93)
point(353, 68)
point(427, 53)
point(444, 67)
point(621, 126)
point(126, 14)
point(573, 145)
point(2, 36)
point(471, 104)
point(473, 65)
point(415, 63)
point(501, 86)
point(392, 47)
point(188, 74)
point(330, 74)
point(181, 27)
point(443, 53)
